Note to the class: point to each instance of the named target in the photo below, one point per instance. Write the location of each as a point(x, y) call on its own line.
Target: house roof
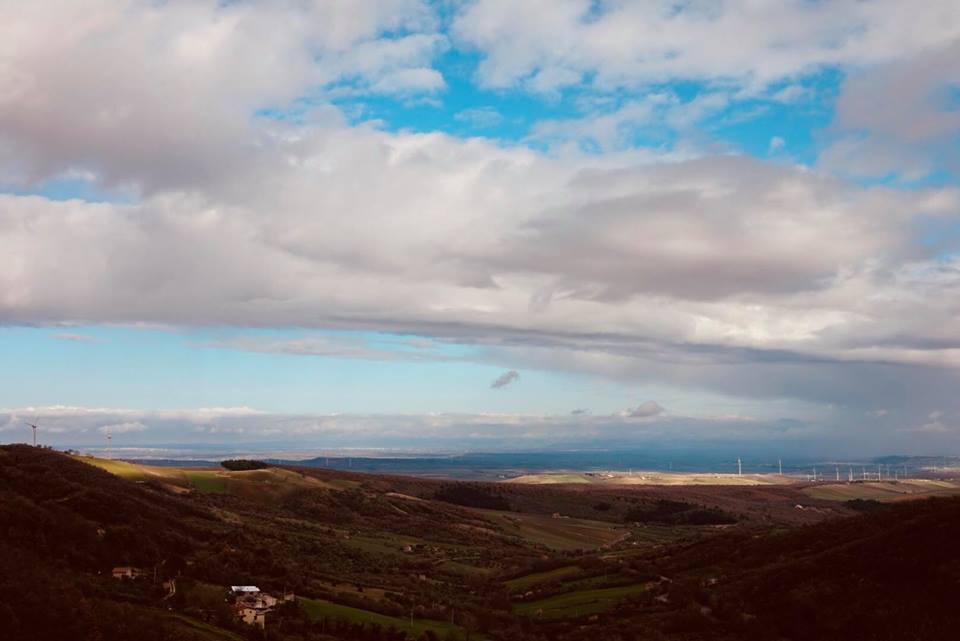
point(244, 588)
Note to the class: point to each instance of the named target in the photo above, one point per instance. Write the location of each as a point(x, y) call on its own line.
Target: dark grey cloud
point(901, 118)
point(646, 409)
point(652, 232)
point(507, 378)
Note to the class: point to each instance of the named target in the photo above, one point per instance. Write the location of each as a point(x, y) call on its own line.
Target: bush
point(241, 465)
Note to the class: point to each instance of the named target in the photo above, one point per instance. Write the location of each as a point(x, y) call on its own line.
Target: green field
point(529, 580)
point(206, 480)
point(317, 608)
point(577, 603)
point(273, 481)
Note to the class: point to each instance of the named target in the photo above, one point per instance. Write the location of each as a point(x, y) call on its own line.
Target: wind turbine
point(35, 427)
point(109, 444)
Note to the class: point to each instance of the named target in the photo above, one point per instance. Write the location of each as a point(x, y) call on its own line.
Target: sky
point(481, 225)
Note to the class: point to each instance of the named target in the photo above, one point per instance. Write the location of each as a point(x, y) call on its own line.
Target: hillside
point(378, 557)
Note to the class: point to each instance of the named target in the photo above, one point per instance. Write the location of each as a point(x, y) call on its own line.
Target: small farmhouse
point(252, 605)
point(251, 615)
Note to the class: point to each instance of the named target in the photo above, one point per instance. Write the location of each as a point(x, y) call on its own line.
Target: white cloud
point(409, 81)
point(459, 239)
point(184, 79)
point(76, 338)
point(484, 432)
point(122, 428)
point(548, 44)
point(334, 347)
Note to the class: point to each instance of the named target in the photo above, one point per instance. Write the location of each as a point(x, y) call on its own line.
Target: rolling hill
point(379, 557)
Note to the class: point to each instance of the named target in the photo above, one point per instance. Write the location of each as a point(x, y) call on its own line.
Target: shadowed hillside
point(374, 557)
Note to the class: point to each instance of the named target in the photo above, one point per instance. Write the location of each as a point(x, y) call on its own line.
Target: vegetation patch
point(206, 480)
point(866, 505)
point(677, 513)
point(472, 495)
point(319, 608)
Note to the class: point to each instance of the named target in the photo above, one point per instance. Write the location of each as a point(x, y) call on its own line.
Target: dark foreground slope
point(380, 558)
point(892, 574)
point(63, 525)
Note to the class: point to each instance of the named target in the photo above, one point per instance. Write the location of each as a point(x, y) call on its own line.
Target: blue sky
point(703, 222)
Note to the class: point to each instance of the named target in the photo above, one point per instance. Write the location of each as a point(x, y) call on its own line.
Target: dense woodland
point(724, 572)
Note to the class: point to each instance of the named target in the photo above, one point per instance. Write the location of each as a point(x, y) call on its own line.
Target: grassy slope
point(274, 481)
point(559, 533)
point(208, 631)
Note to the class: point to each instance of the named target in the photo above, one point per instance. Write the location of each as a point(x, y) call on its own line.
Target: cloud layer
point(236, 190)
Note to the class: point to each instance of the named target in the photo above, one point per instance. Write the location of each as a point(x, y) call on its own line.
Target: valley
point(393, 557)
